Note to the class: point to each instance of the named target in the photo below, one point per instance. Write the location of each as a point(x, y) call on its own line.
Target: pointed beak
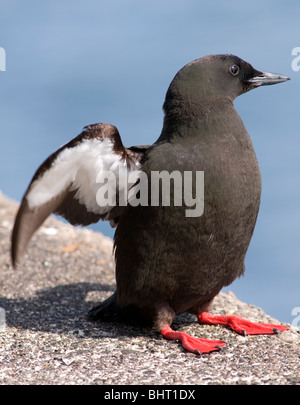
point(265, 79)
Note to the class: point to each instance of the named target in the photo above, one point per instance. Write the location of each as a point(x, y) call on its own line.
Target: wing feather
point(67, 184)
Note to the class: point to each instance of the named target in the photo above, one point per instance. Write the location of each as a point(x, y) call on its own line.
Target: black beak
point(264, 79)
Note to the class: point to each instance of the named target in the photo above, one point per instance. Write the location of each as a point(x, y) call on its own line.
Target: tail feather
point(106, 309)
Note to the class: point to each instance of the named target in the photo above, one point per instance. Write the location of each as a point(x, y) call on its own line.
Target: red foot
point(240, 325)
point(192, 344)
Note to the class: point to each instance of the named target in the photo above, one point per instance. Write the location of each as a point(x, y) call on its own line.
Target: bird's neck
point(181, 116)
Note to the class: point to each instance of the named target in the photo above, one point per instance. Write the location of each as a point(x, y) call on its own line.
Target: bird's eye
point(234, 70)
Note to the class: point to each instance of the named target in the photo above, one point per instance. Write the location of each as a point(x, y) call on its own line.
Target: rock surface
point(47, 340)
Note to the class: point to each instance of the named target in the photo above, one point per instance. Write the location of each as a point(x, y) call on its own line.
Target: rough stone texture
point(47, 339)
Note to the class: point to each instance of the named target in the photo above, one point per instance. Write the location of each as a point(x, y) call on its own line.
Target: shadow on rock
point(63, 309)
point(60, 309)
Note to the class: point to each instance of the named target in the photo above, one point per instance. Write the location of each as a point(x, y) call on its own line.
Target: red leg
point(192, 344)
point(240, 325)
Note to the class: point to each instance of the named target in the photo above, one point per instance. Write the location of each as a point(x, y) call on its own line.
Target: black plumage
point(167, 262)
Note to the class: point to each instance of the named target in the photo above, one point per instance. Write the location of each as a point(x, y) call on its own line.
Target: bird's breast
point(161, 248)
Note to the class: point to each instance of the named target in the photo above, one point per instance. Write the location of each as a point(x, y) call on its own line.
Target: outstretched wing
point(68, 182)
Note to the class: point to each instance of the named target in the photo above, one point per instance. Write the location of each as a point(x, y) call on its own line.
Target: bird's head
point(217, 76)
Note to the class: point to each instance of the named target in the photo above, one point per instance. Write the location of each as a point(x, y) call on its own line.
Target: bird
point(170, 258)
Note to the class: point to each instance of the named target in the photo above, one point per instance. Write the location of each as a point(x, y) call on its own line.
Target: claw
point(277, 331)
point(244, 332)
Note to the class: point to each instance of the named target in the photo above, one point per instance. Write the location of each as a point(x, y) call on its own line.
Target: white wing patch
point(78, 168)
